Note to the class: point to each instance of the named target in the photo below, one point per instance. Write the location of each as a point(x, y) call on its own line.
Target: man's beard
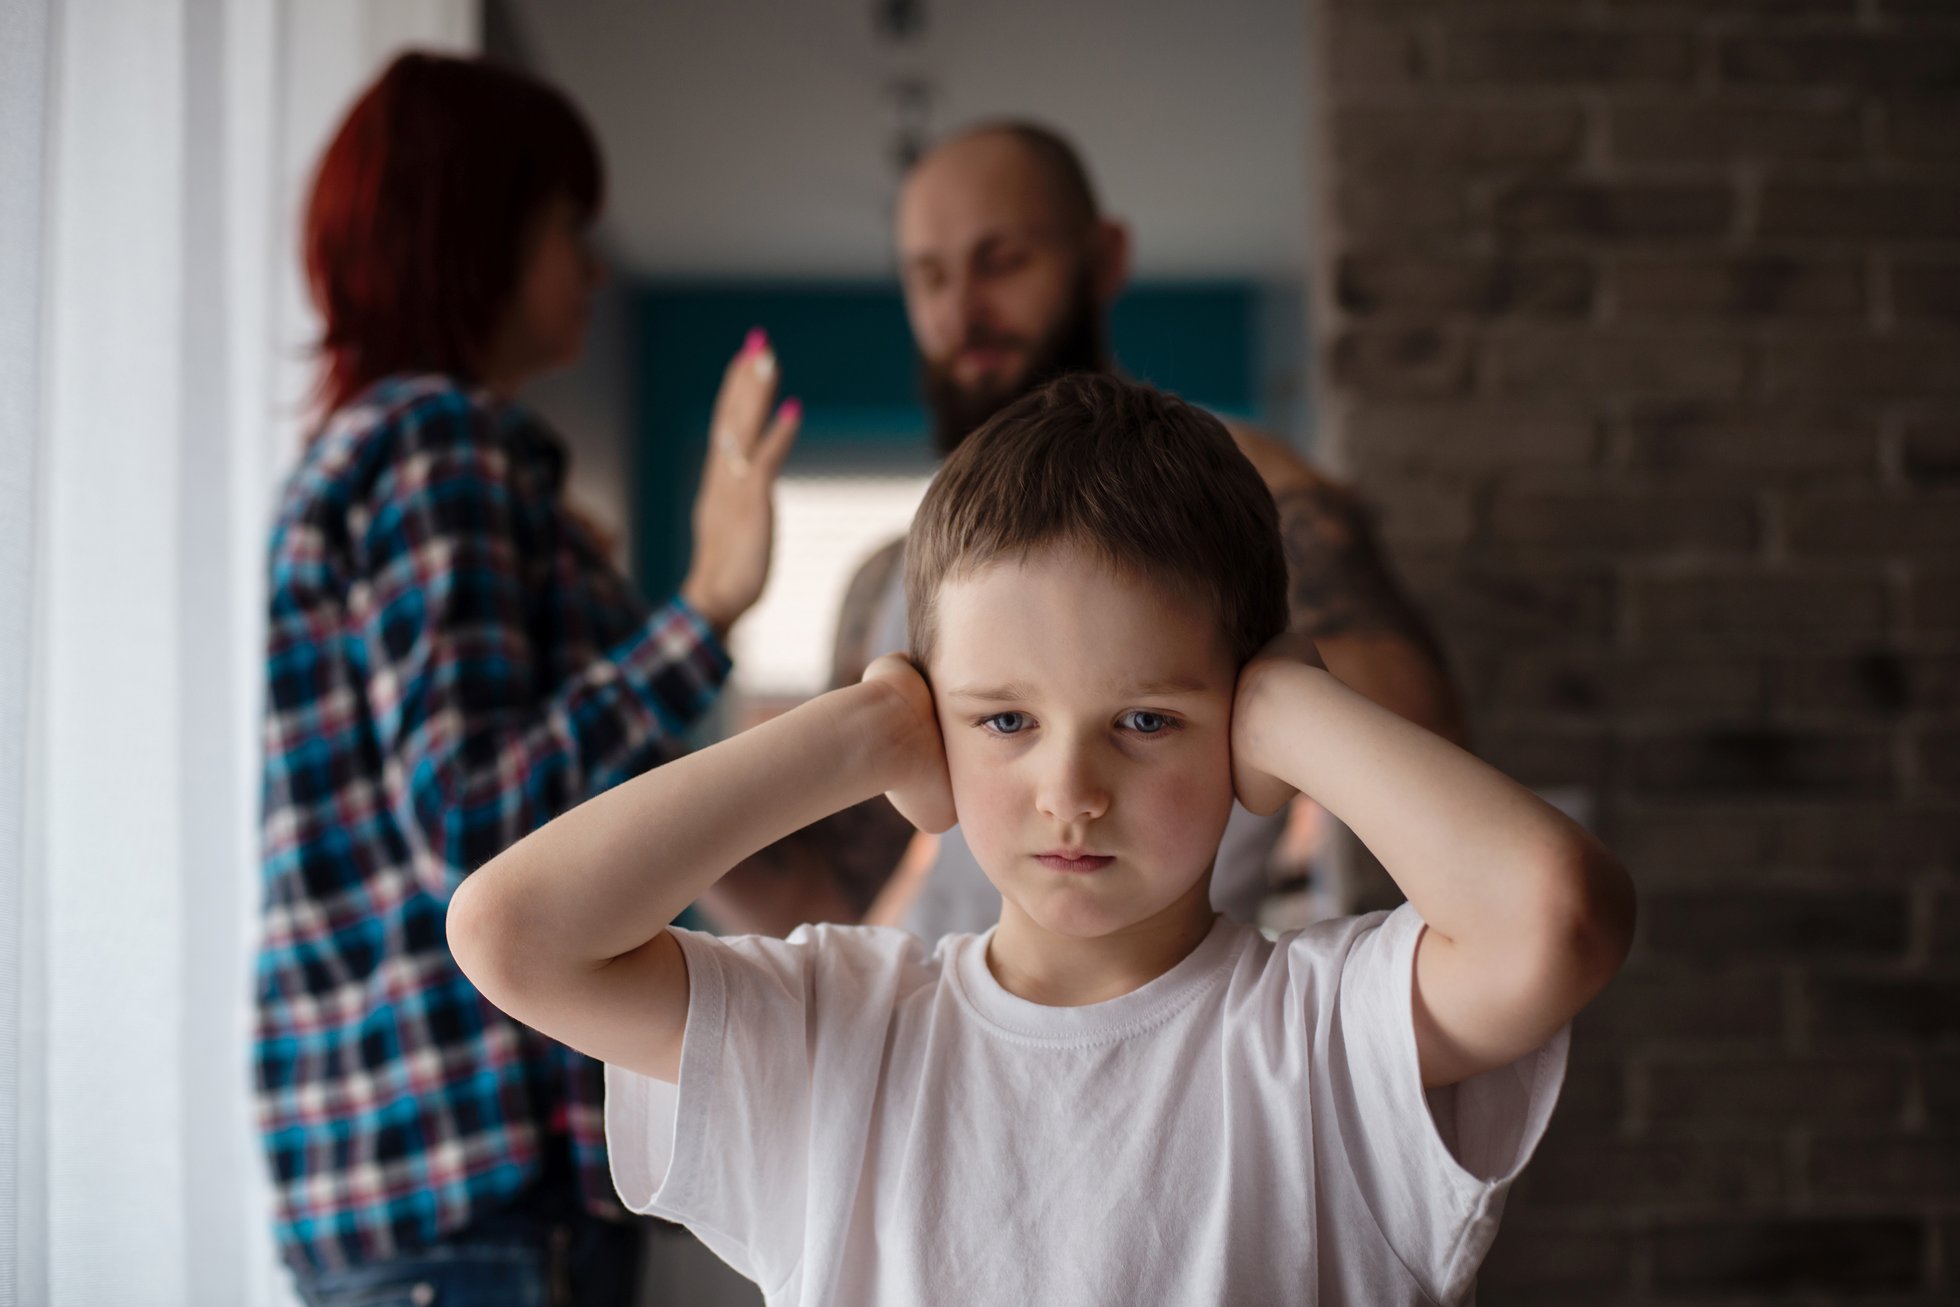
point(1075, 345)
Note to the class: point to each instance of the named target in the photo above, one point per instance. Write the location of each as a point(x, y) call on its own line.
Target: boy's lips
point(1076, 860)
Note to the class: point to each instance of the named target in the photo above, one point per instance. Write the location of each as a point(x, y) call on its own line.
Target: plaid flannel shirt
point(450, 664)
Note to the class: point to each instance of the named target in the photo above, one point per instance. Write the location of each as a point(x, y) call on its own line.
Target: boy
point(1114, 1095)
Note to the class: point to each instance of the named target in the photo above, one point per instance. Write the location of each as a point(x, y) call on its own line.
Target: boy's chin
point(1085, 926)
point(1088, 916)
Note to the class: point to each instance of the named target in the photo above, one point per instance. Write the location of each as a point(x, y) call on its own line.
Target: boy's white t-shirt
point(858, 1122)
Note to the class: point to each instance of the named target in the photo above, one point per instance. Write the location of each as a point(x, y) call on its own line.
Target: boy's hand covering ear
point(1257, 788)
point(922, 791)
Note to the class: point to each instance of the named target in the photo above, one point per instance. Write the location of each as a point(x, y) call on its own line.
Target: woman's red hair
point(416, 227)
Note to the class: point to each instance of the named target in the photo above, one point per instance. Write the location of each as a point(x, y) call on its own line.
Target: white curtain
point(152, 362)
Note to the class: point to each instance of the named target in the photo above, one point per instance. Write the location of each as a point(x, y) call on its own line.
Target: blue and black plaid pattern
point(451, 663)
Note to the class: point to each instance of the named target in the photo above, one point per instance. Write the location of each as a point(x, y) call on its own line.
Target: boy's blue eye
point(1147, 723)
point(1006, 723)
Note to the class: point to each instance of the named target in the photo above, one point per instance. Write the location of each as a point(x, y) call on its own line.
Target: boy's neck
point(1034, 963)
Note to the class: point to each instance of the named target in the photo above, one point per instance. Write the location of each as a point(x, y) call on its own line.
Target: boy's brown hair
point(1153, 485)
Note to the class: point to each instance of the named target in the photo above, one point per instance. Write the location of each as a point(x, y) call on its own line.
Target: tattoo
point(1337, 581)
point(851, 853)
point(862, 846)
point(856, 850)
point(850, 653)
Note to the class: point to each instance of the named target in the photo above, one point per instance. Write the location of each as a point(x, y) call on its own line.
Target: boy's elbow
point(472, 930)
point(1593, 917)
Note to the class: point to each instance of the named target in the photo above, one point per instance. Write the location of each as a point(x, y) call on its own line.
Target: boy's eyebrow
point(1016, 693)
point(989, 694)
point(1167, 685)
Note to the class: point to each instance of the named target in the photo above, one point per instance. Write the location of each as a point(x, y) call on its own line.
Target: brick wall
point(1642, 329)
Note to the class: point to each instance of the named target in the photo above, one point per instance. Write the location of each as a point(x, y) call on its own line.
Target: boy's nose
point(1070, 791)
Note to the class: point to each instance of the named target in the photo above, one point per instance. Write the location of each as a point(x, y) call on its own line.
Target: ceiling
point(754, 138)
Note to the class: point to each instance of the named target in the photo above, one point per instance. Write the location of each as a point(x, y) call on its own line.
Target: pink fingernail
point(791, 410)
point(756, 342)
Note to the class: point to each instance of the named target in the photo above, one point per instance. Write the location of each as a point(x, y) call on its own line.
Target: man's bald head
point(1046, 153)
point(1008, 267)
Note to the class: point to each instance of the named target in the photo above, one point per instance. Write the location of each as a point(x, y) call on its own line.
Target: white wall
point(750, 137)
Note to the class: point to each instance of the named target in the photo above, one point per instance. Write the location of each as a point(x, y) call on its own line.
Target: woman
point(451, 663)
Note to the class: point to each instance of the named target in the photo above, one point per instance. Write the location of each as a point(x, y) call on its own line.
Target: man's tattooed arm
point(1340, 591)
point(831, 870)
point(1337, 583)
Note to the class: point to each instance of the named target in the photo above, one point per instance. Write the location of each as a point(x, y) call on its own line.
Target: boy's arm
point(567, 930)
point(1528, 916)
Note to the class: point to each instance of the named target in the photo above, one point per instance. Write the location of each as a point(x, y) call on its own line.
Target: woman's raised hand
point(734, 511)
